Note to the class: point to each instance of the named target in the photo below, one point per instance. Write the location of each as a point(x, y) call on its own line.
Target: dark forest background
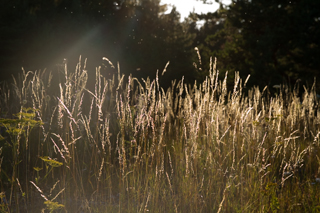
point(275, 41)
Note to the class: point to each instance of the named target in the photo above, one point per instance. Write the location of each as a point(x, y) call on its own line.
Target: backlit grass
point(128, 145)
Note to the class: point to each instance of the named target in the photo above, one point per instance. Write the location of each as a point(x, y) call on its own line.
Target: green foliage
point(270, 192)
point(15, 129)
point(3, 204)
point(52, 206)
point(51, 162)
point(24, 119)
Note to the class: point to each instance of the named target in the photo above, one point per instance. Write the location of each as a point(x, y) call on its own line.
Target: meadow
point(128, 145)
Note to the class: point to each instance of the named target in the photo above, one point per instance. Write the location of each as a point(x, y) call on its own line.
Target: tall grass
point(127, 145)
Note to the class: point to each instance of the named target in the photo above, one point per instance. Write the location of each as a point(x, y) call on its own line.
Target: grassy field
point(127, 145)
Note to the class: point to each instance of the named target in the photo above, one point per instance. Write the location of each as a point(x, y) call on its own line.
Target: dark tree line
point(36, 34)
point(275, 41)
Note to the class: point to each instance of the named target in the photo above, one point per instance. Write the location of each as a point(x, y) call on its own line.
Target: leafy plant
point(16, 129)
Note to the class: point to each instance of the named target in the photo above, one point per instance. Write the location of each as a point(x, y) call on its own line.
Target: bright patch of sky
point(184, 7)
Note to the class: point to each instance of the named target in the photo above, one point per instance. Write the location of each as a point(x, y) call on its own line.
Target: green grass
point(127, 145)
